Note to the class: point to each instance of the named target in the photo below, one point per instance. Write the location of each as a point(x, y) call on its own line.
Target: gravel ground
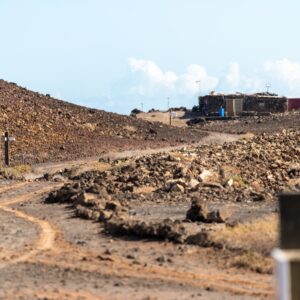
point(72, 259)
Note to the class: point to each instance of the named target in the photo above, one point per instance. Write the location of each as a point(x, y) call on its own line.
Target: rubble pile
point(255, 169)
point(247, 171)
point(254, 124)
point(165, 230)
point(48, 129)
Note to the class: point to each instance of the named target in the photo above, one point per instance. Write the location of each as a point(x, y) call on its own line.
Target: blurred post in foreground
point(287, 256)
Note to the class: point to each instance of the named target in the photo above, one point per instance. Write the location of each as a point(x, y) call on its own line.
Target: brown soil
point(137, 240)
point(47, 129)
point(57, 256)
point(255, 124)
point(178, 120)
point(149, 197)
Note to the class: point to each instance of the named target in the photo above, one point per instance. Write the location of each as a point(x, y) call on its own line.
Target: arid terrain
point(239, 125)
point(47, 129)
point(49, 254)
point(154, 212)
point(255, 124)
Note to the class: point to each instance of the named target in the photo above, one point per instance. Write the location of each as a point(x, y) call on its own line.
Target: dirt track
point(46, 253)
point(59, 257)
point(84, 164)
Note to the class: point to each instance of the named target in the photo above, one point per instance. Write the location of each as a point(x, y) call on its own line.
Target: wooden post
point(6, 149)
point(170, 117)
point(287, 256)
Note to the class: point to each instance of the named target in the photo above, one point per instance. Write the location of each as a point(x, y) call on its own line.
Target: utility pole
point(142, 106)
point(6, 149)
point(170, 111)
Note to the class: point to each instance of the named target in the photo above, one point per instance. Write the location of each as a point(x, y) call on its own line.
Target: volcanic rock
point(48, 129)
point(198, 211)
point(218, 216)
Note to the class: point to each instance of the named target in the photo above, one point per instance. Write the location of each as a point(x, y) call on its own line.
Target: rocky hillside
point(48, 129)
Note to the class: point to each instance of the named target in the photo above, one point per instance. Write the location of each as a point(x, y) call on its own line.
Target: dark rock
point(161, 259)
point(219, 216)
point(198, 211)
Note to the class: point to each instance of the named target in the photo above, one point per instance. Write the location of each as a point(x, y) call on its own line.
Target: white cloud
point(154, 79)
point(152, 72)
point(233, 81)
point(286, 74)
point(252, 84)
point(152, 85)
point(188, 81)
point(233, 76)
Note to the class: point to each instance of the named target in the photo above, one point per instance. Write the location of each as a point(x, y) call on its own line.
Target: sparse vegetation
point(251, 243)
point(15, 172)
point(252, 261)
point(93, 166)
point(258, 236)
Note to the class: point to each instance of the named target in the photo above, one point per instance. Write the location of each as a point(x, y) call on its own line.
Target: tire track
point(164, 271)
point(50, 249)
point(46, 234)
point(58, 294)
point(12, 187)
point(121, 269)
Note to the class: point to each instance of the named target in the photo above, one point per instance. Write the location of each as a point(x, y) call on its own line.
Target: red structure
point(293, 104)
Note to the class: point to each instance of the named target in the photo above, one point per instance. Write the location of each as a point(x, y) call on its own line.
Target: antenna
point(198, 82)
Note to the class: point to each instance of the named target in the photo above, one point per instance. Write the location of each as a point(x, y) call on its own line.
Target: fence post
point(287, 256)
point(6, 148)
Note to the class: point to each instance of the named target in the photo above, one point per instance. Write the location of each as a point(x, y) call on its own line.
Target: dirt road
point(48, 254)
point(84, 164)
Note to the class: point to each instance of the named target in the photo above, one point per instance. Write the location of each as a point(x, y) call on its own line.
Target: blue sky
point(117, 54)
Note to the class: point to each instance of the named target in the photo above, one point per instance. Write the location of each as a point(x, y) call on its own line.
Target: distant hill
point(47, 129)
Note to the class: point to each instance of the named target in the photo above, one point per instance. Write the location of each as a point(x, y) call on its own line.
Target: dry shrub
point(259, 236)
point(16, 171)
point(250, 243)
point(121, 164)
point(253, 261)
point(93, 166)
point(100, 166)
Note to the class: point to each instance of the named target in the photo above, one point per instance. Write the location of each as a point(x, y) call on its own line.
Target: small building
point(293, 104)
point(239, 103)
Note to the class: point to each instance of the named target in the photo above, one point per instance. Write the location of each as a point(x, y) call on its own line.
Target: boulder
point(198, 211)
point(219, 216)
